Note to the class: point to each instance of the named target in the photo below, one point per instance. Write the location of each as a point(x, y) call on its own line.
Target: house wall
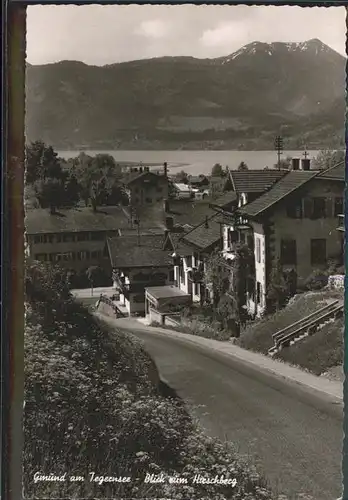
point(305, 229)
point(256, 303)
point(142, 193)
point(302, 230)
point(71, 253)
point(181, 277)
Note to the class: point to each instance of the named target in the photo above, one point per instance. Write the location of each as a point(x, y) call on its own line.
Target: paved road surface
point(292, 435)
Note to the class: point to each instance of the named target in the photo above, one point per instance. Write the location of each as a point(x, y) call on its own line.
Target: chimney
point(305, 164)
point(206, 224)
point(169, 223)
point(295, 163)
point(165, 169)
point(166, 206)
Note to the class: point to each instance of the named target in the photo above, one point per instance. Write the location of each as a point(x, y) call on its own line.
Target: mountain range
point(240, 101)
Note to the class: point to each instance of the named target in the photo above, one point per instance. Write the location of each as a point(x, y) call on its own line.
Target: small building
point(163, 301)
point(182, 191)
point(139, 262)
point(197, 245)
point(145, 187)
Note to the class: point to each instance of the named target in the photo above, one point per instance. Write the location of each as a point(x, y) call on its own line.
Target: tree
point(181, 176)
point(277, 291)
point(327, 159)
point(71, 190)
point(217, 170)
point(41, 162)
point(242, 167)
point(217, 276)
point(50, 193)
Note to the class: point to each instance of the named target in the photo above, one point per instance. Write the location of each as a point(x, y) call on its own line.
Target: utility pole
point(278, 146)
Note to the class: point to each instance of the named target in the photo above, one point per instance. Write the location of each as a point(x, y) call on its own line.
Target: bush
point(317, 280)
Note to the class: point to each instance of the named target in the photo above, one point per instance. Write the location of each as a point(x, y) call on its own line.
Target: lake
point(195, 162)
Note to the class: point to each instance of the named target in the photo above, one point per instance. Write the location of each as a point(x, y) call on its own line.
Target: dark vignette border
point(12, 229)
point(13, 45)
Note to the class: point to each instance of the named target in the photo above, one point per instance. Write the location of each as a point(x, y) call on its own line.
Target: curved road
point(293, 435)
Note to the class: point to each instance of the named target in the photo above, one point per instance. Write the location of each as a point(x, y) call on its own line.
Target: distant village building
point(144, 187)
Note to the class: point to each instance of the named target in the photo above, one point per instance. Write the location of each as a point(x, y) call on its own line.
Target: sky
point(106, 34)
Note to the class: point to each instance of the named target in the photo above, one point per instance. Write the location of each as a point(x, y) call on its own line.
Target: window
point(83, 236)
point(318, 252)
point(40, 238)
point(51, 238)
point(232, 238)
point(97, 236)
point(68, 237)
point(159, 189)
point(288, 252)
point(319, 208)
point(196, 289)
point(339, 210)
point(189, 261)
point(148, 200)
point(136, 190)
point(258, 250)
point(294, 210)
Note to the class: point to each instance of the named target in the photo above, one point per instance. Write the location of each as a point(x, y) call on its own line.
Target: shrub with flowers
point(90, 406)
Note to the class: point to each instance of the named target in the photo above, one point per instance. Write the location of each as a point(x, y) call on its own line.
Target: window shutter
point(308, 208)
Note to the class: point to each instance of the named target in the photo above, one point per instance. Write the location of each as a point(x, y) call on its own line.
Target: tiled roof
point(149, 216)
point(337, 172)
point(190, 212)
point(225, 199)
point(205, 234)
point(41, 221)
point(292, 181)
point(180, 247)
point(255, 181)
point(147, 251)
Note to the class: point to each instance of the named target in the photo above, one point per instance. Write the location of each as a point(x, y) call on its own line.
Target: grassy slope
point(317, 353)
point(91, 406)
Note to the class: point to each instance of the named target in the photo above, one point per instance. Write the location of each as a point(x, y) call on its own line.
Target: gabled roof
point(204, 235)
point(74, 220)
point(145, 251)
point(255, 181)
point(141, 176)
point(335, 173)
point(292, 181)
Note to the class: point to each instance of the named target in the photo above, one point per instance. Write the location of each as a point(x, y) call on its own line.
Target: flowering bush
point(91, 407)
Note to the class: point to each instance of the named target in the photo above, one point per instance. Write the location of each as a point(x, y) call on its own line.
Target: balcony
point(340, 221)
